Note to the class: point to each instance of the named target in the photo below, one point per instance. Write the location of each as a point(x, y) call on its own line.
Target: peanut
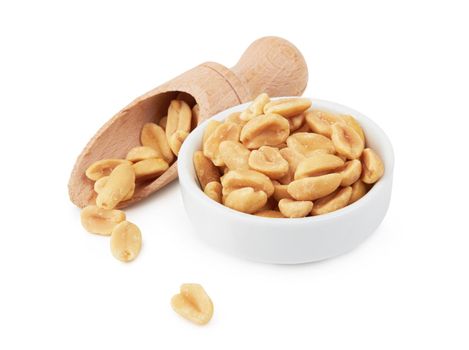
point(235, 118)
point(308, 143)
point(353, 123)
point(255, 108)
point(350, 172)
point(100, 221)
point(269, 214)
point(150, 168)
point(295, 209)
point(296, 122)
point(103, 168)
point(193, 304)
point(359, 189)
point(332, 202)
point(154, 136)
point(265, 130)
point(312, 188)
point(119, 184)
point(236, 179)
point(234, 155)
point(346, 141)
point(126, 241)
point(99, 185)
point(176, 140)
point(246, 200)
point(137, 154)
point(318, 164)
point(280, 191)
point(211, 126)
point(205, 170)
point(214, 190)
point(293, 158)
point(320, 122)
point(287, 107)
point(373, 167)
point(179, 119)
point(268, 161)
point(224, 132)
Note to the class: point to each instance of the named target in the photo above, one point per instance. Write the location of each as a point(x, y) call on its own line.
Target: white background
point(68, 67)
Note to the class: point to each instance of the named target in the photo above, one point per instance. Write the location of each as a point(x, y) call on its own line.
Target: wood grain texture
point(270, 64)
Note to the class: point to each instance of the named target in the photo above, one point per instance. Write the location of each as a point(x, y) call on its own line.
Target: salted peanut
point(99, 185)
point(255, 108)
point(137, 154)
point(280, 191)
point(287, 107)
point(296, 122)
point(246, 200)
point(293, 158)
point(224, 132)
point(176, 140)
point(103, 168)
point(187, 98)
point(150, 168)
point(268, 161)
point(100, 221)
point(211, 126)
point(265, 130)
point(236, 119)
point(154, 136)
point(126, 241)
point(118, 185)
point(307, 143)
point(312, 188)
point(319, 163)
point(179, 119)
point(359, 189)
point(355, 125)
point(373, 167)
point(213, 190)
point(193, 304)
point(332, 202)
point(234, 155)
point(346, 141)
point(350, 172)
point(295, 209)
point(204, 168)
point(320, 122)
point(270, 214)
point(162, 122)
point(236, 179)
point(195, 116)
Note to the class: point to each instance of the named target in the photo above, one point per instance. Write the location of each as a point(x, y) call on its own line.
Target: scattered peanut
point(100, 221)
point(126, 241)
point(193, 304)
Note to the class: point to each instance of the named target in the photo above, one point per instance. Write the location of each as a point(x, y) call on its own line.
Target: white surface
point(65, 69)
point(286, 241)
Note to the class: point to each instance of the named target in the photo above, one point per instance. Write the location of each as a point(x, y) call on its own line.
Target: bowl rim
point(190, 183)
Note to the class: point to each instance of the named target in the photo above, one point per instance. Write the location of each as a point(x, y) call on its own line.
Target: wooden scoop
point(272, 65)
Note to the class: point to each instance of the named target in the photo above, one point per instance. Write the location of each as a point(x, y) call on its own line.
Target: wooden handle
point(272, 65)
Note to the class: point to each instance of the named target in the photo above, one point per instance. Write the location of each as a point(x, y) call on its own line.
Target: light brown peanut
point(295, 209)
point(287, 107)
point(137, 154)
point(118, 185)
point(234, 155)
point(149, 168)
point(280, 191)
point(204, 168)
point(103, 168)
point(268, 161)
point(355, 125)
point(179, 119)
point(176, 140)
point(373, 167)
point(332, 202)
point(193, 304)
point(100, 221)
point(312, 188)
point(236, 119)
point(224, 132)
point(270, 214)
point(359, 189)
point(265, 130)
point(246, 200)
point(214, 190)
point(296, 122)
point(307, 143)
point(236, 179)
point(293, 158)
point(318, 164)
point(126, 241)
point(256, 108)
point(320, 122)
point(211, 126)
point(99, 185)
point(350, 172)
point(346, 141)
point(154, 136)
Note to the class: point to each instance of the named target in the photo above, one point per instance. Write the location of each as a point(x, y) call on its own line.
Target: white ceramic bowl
point(287, 241)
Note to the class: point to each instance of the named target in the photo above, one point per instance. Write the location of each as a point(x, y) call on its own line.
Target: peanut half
point(307, 143)
point(236, 179)
point(154, 136)
point(223, 132)
point(205, 170)
point(126, 241)
point(118, 185)
point(332, 202)
point(179, 119)
point(359, 189)
point(268, 161)
point(214, 190)
point(350, 172)
point(137, 154)
point(149, 168)
point(246, 200)
point(99, 185)
point(318, 164)
point(295, 209)
point(234, 155)
point(373, 167)
point(320, 122)
point(103, 168)
point(287, 107)
point(347, 141)
point(100, 221)
point(193, 304)
point(312, 188)
point(256, 108)
point(265, 130)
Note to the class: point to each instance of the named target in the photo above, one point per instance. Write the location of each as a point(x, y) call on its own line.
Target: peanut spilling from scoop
point(283, 159)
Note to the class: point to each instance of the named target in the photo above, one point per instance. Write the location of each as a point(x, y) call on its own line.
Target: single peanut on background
point(100, 221)
point(193, 304)
point(126, 241)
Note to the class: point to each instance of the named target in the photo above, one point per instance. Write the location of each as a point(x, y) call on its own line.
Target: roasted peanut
point(293, 158)
point(99, 185)
point(312, 188)
point(150, 168)
point(318, 164)
point(346, 141)
point(270, 214)
point(255, 108)
point(246, 200)
point(211, 126)
point(205, 170)
point(287, 107)
point(265, 130)
point(236, 179)
point(332, 202)
point(137, 154)
point(320, 122)
point(224, 132)
point(234, 155)
point(296, 122)
point(373, 167)
point(353, 123)
point(280, 191)
point(295, 209)
point(307, 143)
point(236, 119)
point(126, 241)
point(119, 184)
point(179, 119)
point(100, 221)
point(176, 140)
point(154, 136)
point(359, 189)
point(268, 161)
point(213, 190)
point(193, 304)
point(103, 168)
point(350, 172)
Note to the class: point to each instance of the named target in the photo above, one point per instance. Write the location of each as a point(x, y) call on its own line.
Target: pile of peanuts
point(281, 159)
point(116, 179)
